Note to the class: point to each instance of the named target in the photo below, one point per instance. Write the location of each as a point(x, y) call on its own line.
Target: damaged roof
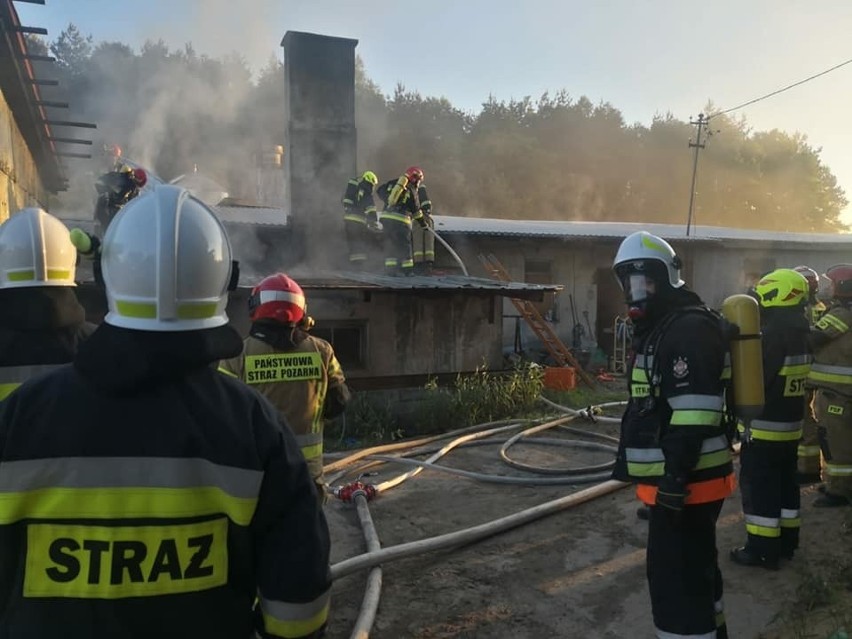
point(617, 230)
point(420, 284)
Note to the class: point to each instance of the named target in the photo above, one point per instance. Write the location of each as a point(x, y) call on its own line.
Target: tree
point(72, 50)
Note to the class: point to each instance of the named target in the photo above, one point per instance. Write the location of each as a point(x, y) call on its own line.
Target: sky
point(644, 57)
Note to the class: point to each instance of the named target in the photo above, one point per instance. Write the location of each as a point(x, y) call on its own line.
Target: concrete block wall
point(20, 184)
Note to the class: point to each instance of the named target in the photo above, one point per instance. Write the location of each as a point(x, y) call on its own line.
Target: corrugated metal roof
point(617, 230)
point(266, 216)
point(358, 281)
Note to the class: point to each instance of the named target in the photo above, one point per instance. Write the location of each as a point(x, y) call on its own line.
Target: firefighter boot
point(744, 556)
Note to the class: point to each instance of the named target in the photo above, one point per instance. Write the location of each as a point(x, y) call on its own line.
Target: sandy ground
point(578, 573)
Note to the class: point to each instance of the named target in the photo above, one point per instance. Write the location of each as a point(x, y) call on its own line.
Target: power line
point(769, 95)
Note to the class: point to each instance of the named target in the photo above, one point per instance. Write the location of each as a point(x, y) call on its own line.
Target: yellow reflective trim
point(397, 217)
point(196, 310)
point(312, 452)
point(7, 389)
point(58, 274)
point(711, 460)
point(726, 373)
point(225, 371)
point(351, 217)
point(114, 562)
point(654, 246)
point(834, 322)
point(140, 310)
point(281, 367)
point(20, 276)
point(833, 409)
point(293, 629)
point(148, 310)
point(124, 503)
point(775, 435)
point(639, 469)
point(792, 522)
point(695, 418)
point(795, 369)
point(808, 451)
point(830, 377)
point(763, 531)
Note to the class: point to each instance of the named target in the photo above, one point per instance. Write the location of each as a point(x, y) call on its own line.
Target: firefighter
point(768, 453)
point(402, 206)
point(115, 189)
point(296, 371)
point(808, 463)
point(41, 321)
point(359, 216)
point(831, 376)
point(144, 493)
point(423, 237)
point(673, 441)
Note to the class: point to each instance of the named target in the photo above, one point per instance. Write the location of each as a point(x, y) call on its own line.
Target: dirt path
point(579, 573)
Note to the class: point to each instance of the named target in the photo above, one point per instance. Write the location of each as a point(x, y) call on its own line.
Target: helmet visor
point(638, 287)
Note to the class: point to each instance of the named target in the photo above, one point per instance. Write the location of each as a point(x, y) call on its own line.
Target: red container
point(561, 378)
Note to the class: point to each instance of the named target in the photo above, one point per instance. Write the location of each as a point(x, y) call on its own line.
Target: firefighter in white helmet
point(145, 494)
point(673, 443)
point(297, 372)
point(41, 321)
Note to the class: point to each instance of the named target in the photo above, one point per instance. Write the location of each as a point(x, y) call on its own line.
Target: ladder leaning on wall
point(558, 351)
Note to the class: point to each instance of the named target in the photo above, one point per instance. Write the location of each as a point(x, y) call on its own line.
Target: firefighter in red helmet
point(297, 372)
point(831, 375)
point(403, 204)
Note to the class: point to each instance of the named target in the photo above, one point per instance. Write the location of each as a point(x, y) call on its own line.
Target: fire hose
point(449, 249)
point(360, 493)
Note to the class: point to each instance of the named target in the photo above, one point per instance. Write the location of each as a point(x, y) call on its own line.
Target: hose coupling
point(350, 491)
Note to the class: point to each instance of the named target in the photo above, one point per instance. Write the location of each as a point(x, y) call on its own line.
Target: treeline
point(554, 158)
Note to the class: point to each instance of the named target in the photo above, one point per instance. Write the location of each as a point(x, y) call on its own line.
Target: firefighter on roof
point(41, 322)
point(673, 442)
point(768, 454)
point(831, 376)
point(402, 206)
point(115, 189)
point(296, 371)
point(359, 216)
point(145, 494)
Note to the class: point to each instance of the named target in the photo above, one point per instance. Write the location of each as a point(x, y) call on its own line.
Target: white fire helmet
point(36, 250)
point(166, 262)
point(640, 247)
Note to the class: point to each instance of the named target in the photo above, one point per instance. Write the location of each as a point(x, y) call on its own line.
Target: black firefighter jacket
point(673, 423)
point(40, 327)
point(143, 494)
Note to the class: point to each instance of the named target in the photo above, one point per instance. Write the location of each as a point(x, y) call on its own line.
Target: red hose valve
point(350, 491)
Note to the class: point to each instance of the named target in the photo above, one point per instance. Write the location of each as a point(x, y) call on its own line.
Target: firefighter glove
point(422, 222)
point(671, 493)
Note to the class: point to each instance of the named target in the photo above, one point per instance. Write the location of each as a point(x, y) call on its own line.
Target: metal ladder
point(558, 351)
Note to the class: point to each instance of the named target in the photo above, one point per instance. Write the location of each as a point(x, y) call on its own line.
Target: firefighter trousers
point(358, 240)
point(423, 242)
point(771, 497)
point(683, 572)
point(834, 417)
point(397, 245)
point(809, 452)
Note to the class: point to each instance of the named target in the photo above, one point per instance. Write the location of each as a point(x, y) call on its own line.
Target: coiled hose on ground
point(475, 435)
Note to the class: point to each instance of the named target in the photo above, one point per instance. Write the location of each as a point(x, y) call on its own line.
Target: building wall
point(583, 267)
point(404, 334)
point(20, 184)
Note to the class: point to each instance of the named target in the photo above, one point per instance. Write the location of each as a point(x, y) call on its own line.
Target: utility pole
point(697, 145)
